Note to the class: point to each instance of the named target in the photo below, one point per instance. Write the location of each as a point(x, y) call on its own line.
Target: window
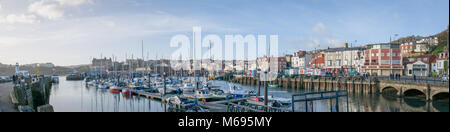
point(382, 54)
point(399, 54)
point(395, 61)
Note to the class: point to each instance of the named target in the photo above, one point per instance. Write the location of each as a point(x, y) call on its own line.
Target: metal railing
point(315, 96)
point(412, 79)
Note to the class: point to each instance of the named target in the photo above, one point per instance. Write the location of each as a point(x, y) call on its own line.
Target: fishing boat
point(74, 77)
point(237, 92)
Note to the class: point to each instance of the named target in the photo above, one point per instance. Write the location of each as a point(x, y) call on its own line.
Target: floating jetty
point(154, 96)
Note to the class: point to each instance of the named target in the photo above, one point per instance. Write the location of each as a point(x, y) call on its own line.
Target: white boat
point(258, 100)
point(188, 89)
point(238, 92)
point(273, 101)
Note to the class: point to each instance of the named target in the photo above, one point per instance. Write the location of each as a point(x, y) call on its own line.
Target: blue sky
point(70, 32)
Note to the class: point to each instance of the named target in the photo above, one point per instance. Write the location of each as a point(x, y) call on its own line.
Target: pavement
point(5, 100)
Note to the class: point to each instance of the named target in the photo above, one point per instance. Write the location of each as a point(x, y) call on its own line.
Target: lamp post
point(266, 90)
point(164, 77)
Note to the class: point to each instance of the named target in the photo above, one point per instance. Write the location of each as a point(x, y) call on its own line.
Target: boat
point(115, 89)
point(74, 77)
point(273, 101)
point(237, 92)
point(188, 89)
point(177, 100)
point(273, 85)
point(127, 92)
point(280, 102)
point(170, 89)
point(258, 100)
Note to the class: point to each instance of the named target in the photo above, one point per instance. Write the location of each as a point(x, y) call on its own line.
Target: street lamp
point(266, 89)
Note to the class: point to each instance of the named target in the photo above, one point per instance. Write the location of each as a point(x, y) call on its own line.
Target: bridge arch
point(440, 96)
point(390, 91)
point(415, 93)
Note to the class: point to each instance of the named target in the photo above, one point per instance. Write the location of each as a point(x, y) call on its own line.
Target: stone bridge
point(429, 91)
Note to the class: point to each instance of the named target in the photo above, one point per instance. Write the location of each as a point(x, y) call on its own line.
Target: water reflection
point(74, 96)
point(359, 102)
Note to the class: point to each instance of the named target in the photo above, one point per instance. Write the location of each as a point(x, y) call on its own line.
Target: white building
point(421, 48)
point(442, 61)
point(349, 59)
point(303, 62)
point(429, 40)
point(21, 73)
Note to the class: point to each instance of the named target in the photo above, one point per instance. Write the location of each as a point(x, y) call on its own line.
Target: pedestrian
point(14, 79)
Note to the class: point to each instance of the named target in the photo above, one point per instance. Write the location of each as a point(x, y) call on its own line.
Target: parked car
point(444, 78)
point(5, 79)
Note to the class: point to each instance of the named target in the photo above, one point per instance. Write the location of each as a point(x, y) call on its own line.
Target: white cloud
point(321, 37)
point(54, 9)
point(310, 42)
point(73, 2)
point(46, 9)
point(319, 28)
point(22, 18)
point(334, 43)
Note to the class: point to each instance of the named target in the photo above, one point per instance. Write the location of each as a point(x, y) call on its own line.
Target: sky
point(72, 32)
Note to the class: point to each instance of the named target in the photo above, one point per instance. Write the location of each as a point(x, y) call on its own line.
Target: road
point(418, 79)
point(5, 100)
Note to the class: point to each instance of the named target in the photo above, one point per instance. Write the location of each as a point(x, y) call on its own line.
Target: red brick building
point(383, 59)
point(318, 60)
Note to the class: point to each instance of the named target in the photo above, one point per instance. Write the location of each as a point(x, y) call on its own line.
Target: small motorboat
point(258, 100)
point(273, 85)
point(115, 89)
point(127, 92)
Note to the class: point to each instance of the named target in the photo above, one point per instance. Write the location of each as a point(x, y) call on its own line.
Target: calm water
point(74, 96)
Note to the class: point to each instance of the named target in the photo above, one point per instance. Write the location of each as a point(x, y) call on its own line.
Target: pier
point(32, 94)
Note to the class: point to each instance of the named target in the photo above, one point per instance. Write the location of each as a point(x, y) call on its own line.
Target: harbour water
point(74, 96)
